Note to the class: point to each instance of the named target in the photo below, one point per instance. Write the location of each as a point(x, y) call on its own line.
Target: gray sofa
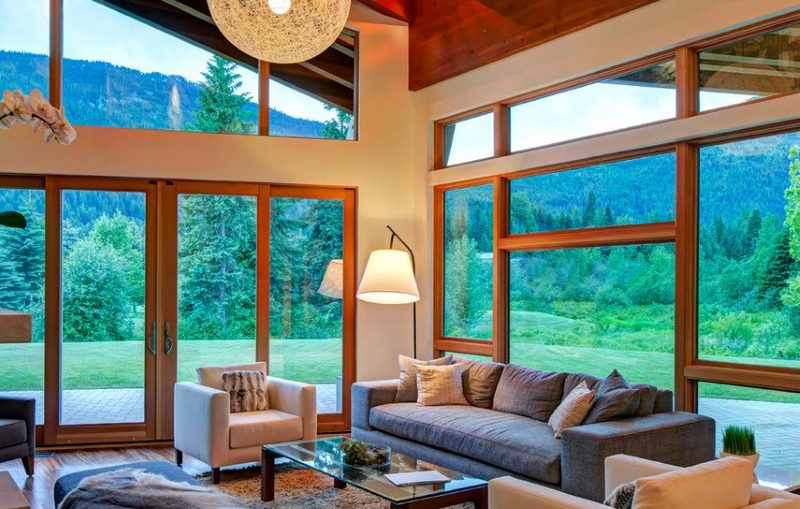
point(487, 443)
point(18, 431)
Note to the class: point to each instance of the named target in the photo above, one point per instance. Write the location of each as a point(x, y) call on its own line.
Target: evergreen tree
point(590, 210)
point(221, 105)
point(338, 127)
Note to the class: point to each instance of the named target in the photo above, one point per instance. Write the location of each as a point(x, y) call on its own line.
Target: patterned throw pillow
point(572, 410)
point(407, 388)
point(440, 385)
point(248, 390)
point(621, 497)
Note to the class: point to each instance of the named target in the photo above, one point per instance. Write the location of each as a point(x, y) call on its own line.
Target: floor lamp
point(389, 279)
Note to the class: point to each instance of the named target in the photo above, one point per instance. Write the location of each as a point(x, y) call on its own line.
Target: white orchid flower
point(16, 102)
point(41, 108)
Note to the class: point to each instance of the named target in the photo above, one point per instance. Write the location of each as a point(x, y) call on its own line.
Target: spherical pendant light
point(281, 31)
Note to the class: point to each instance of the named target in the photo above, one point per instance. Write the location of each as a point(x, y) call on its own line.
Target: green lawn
point(101, 365)
point(119, 364)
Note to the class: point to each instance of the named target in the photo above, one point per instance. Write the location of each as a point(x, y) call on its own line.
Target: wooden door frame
point(338, 421)
point(56, 433)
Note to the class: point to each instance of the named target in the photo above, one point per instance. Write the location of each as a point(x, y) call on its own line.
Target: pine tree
point(222, 106)
point(590, 210)
point(337, 128)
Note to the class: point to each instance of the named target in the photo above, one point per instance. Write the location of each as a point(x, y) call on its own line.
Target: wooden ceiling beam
point(397, 9)
point(328, 77)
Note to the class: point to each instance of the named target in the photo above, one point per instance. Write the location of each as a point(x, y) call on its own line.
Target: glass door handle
point(153, 339)
point(168, 344)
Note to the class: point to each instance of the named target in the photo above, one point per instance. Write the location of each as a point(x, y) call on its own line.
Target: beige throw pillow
point(407, 388)
point(247, 389)
point(440, 385)
point(720, 484)
point(572, 410)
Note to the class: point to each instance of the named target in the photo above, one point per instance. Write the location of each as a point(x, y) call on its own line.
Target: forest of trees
point(103, 94)
point(623, 297)
point(103, 248)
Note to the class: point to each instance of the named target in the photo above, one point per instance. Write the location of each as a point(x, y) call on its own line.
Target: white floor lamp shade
point(388, 278)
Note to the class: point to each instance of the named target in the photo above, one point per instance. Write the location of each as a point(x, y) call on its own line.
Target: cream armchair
point(511, 493)
point(207, 430)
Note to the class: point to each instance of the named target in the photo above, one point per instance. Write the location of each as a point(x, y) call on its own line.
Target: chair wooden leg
point(27, 462)
point(178, 457)
point(215, 475)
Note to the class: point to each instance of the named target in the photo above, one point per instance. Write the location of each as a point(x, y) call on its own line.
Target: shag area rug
point(296, 488)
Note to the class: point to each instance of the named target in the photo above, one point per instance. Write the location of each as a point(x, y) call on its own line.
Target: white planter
point(752, 458)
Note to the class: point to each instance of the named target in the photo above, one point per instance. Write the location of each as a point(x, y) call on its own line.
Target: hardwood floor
point(39, 488)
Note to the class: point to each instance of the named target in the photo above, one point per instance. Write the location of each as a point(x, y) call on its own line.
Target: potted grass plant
point(740, 441)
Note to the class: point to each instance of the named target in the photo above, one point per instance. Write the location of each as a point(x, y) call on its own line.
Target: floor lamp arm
point(414, 269)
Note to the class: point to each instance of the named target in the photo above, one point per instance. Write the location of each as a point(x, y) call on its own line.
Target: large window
point(594, 309)
point(469, 140)
point(316, 99)
point(626, 192)
point(774, 416)
point(158, 82)
point(468, 238)
point(751, 68)
point(306, 295)
point(22, 299)
point(636, 98)
point(24, 50)
point(749, 228)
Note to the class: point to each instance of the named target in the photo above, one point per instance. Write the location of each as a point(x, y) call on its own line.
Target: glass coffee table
point(322, 455)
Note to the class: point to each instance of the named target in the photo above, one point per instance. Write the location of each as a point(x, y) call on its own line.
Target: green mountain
point(103, 94)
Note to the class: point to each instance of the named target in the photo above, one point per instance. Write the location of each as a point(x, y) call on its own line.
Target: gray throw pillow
point(575, 379)
point(615, 399)
point(407, 388)
point(480, 381)
point(647, 399)
point(529, 392)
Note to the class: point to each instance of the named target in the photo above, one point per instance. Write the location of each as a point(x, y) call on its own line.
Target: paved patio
point(93, 406)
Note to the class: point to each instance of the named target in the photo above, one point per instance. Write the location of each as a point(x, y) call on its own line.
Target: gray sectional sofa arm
point(366, 395)
point(676, 438)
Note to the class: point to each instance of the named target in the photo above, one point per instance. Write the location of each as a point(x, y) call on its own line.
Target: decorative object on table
point(281, 31)
point(332, 285)
point(740, 441)
point(355, 453)
point(390, 279)
point(34, 109)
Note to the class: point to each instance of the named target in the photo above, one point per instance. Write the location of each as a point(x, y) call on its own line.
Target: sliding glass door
point(119, 288)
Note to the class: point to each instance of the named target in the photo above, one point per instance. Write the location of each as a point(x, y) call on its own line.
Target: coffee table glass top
point(323, 456)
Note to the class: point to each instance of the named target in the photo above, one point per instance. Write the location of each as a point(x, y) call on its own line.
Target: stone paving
point(113, 406)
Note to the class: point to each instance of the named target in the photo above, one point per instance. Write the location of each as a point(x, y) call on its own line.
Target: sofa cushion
point(720, 484)
point(407, 387)
point(512, 442)
point(12, 432)
point(440, 385)
point(265, 427)
point(211, 376)
point(529, 392)
point(614, 399)
point(573, 380)
point(647, 399)
point(480, 381)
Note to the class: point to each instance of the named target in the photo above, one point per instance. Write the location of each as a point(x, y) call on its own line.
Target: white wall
point(379, 164)
point(659, 26)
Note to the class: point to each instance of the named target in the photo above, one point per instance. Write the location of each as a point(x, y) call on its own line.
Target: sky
point(591, 109)
point(120, 40)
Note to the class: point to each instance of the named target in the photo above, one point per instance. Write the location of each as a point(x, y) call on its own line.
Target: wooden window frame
point(683, 231)
point(56, 61)
point(686, 86)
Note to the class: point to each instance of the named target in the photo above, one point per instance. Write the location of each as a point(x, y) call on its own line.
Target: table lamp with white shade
point(389, 279)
